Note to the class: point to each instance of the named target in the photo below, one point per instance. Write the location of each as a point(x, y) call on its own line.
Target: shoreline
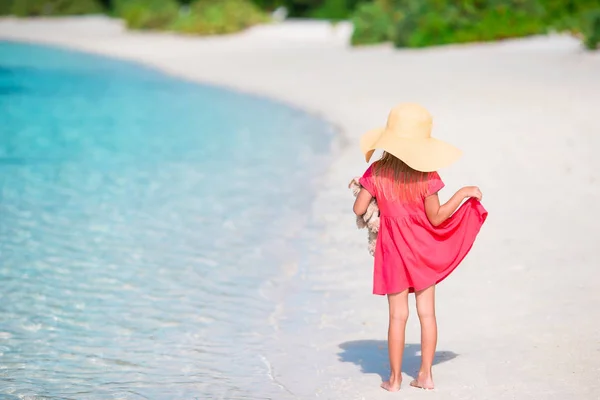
point(514, 108)
point(342, 140)
point(133, 175)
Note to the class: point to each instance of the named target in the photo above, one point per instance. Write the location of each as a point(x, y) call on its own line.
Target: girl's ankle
point(396, 377)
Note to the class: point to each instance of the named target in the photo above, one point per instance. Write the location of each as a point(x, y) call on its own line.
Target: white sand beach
point(519, 318)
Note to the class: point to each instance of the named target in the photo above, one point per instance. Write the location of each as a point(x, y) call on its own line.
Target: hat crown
point(409, 121)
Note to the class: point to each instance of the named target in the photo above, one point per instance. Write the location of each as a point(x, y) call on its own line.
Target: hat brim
point(423, 154)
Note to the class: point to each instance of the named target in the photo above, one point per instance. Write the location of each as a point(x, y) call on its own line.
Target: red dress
point(410, 252)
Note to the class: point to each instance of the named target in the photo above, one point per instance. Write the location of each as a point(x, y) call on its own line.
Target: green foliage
point(323, 9)
point(591, 29)
point(420, 23)
point(6, 7)
point(579, 17)
point(373, 23)
point(211, 17)
point(25, 8)
point(268, 5)
point(336, 10)
point(301, 8)
point(426, 23)
point(147, 14)
point(567, 14)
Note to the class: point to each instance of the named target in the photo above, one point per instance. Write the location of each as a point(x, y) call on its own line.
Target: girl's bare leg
point(398, 304)
point(426, 311)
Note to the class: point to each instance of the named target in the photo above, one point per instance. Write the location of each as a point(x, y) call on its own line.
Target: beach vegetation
point(200, 17)
point(146, 14)
point(27, 8)
point(212, 17)
point(591, 29)
point(6, 7)
point(567, 15)
point(421, 23)
point(405, 23)
point(335, 10)
point(373, 23)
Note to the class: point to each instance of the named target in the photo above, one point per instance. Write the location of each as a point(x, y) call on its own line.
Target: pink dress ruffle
point(410, 252)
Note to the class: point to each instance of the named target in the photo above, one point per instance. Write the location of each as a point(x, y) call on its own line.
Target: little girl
point(420, 242)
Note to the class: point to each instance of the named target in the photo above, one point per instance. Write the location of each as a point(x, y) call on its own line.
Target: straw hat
point(408, 137)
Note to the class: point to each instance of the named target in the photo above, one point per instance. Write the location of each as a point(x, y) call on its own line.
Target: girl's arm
point(362, 202)
point(437, 214)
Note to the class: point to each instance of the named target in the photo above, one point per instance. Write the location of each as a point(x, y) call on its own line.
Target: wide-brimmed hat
point(408, 137)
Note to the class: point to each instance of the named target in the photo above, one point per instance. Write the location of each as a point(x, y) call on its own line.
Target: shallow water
point(144, 224)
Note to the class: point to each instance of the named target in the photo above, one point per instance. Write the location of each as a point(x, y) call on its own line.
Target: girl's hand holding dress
point(472, 191)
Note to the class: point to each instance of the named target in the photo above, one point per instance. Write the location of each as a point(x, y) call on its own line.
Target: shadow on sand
point(372, 357)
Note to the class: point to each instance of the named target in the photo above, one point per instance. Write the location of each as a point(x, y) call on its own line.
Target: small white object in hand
point(370, 219)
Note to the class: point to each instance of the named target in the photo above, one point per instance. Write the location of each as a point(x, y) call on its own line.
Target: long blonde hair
point(397, 181)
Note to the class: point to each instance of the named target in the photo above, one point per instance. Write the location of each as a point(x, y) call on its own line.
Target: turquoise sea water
point(143, 221)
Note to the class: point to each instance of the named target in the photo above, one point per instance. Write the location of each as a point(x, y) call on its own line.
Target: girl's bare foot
point(423, 381)
point(393, 385)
